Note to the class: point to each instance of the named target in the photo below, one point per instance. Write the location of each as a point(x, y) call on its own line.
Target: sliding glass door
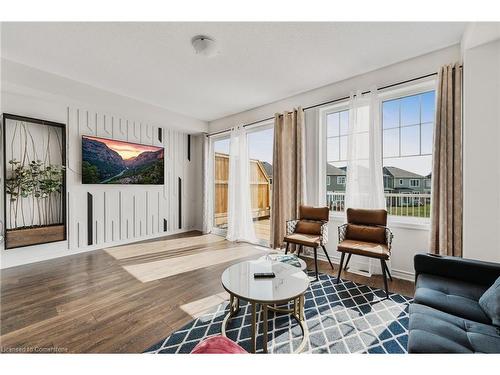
point(260, 152)
point(220, 179)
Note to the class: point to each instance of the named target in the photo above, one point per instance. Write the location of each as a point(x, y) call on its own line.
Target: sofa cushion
point(451, 296)
point(366, 233)
point(434, 331)
point(490, 302)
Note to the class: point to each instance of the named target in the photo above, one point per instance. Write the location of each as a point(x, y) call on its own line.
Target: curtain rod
point(335, 100)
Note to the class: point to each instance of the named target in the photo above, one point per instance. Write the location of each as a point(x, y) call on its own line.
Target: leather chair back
point(310, 219)
point(366, 217)
point(366, 225)
point(313, 213)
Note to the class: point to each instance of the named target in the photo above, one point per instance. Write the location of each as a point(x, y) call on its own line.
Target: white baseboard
point(357, 267)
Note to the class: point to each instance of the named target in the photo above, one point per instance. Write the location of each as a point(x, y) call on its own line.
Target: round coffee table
point(289, 285)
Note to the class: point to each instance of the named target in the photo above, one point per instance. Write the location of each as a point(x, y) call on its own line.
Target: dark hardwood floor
point(123, 299)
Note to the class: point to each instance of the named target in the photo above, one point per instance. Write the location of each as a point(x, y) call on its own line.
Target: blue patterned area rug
point(343, 318)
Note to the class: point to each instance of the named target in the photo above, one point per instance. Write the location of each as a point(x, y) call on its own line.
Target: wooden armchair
point(310, 230)
point(366, 234)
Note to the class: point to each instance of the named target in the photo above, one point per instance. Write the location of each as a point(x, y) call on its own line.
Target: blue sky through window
point(260, 145)
point(407, 126)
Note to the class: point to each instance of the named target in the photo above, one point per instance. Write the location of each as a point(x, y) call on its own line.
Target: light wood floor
point(263, 229)
point(123, 299)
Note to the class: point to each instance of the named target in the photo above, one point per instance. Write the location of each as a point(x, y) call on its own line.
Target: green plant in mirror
point(40, 182)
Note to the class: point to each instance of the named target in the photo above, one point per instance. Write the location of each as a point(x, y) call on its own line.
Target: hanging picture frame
point(34, 155)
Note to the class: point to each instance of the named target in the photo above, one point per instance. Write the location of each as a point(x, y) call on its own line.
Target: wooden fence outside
point(260, 189)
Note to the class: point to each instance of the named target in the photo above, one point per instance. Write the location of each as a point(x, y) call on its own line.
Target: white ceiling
point(258, 62)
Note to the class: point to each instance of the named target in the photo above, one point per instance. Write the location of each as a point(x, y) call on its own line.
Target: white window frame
point(428, 84)
point(323, 112)
point(328, 180)
point(424, 85)
point(401, 182)
point(340, 180)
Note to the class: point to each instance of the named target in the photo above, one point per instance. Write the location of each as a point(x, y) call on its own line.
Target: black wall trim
point(90, 220)
point(160, 134)
point(179, 195)
point(189, 147)
point(165, 225)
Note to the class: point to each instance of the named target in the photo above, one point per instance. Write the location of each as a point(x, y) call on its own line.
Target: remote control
point(264, 275)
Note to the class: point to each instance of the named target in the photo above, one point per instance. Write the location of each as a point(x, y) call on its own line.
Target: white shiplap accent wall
point(125, 213)
point(121, 213)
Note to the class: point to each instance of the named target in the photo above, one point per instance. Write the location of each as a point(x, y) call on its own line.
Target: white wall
point(88, 110)
point(415, 67)
point(409, 239)
point(482, 152)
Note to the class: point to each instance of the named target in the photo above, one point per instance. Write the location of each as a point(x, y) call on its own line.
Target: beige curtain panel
point(288, 172)
point(446, 201)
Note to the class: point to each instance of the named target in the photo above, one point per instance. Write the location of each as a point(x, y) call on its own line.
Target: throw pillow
point(490, 302)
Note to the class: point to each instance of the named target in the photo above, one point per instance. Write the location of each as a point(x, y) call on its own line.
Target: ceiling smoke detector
point(204, 46)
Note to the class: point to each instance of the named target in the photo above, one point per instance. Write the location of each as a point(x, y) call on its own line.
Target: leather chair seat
point(368, 249)
point(310, 240)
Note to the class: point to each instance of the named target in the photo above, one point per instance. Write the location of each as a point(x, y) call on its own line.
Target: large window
point(337, 128)
point(407, 126)
point(260, 153)
point(407, 122)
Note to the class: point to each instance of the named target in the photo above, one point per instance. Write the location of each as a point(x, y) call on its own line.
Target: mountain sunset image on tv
point(108, 161)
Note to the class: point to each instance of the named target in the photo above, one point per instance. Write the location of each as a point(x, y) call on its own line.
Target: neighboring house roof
point(268, 168)
point(334, 171)
point(400, 173)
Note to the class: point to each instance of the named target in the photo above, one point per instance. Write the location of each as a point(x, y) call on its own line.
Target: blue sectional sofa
point(446, 316)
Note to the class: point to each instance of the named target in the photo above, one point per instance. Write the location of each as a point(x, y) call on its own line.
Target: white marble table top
point(290, 282)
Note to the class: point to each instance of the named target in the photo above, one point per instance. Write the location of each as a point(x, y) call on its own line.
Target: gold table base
point(297, 311)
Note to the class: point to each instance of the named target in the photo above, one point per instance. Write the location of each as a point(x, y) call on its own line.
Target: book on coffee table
point(288, 259)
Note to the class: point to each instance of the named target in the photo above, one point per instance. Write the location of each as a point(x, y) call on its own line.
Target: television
point(109, 161)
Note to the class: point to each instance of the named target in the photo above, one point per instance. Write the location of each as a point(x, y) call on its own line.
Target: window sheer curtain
point(364, 182)
point(239, 214)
